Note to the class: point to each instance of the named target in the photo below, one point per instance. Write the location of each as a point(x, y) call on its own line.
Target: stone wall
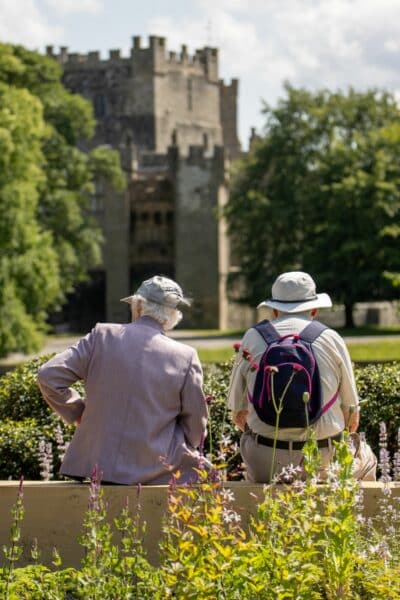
point(54, 512)
point(200, 253)
point(229, 117)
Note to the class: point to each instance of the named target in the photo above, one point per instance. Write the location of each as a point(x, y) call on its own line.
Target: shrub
point(19, 443)
point(19, 447)
point(222, 441)
point(25, 419)
point(20, 399)
point(379, 390)
point(20, 396)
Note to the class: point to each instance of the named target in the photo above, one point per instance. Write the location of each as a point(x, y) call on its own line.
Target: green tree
point(48, 240)
point(320, 192)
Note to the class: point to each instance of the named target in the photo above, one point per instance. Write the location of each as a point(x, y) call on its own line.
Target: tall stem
point(278, 410)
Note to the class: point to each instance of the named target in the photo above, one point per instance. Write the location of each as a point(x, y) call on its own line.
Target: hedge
point(25, 418)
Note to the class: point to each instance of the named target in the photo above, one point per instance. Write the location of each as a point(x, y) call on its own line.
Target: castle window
point(100, 106)
point(189, 94)
point(157, 218)
point(170, 217)
point(145, 216)
point(205, 141)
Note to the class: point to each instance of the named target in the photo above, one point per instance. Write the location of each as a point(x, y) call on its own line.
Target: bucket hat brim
point(320, 301)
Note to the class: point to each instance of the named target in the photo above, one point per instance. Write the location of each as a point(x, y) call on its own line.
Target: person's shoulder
point(178, 346)
point(252, 340)
point(109, 328)
point(331, 333)
point(331, 336)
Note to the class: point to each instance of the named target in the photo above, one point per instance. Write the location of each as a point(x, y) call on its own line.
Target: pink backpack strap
point(330, 403)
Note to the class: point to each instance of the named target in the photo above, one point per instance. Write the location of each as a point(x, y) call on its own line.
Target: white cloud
point(311, 43)
point(76, 6)
point(22, 22)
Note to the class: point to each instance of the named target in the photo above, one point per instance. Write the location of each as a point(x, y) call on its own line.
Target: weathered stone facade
point(174, 123)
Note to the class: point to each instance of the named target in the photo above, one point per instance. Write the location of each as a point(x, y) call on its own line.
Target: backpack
point(296, 372)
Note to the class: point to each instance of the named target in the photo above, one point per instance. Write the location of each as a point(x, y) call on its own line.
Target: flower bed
point(303, 541)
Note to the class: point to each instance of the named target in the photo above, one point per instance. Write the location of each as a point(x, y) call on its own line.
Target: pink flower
point(254, 367)
point(246, 354)
point(236, 347)
point(209, 399)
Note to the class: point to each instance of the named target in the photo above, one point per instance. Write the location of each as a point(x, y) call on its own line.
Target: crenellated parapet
point(204, 62)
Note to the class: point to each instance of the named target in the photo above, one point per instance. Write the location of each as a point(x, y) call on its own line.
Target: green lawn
point(370, 330)
point(215, 354)
point(375, 351)
point(359, 352)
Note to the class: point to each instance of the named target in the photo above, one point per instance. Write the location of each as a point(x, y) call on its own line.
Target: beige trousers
point(258, 458)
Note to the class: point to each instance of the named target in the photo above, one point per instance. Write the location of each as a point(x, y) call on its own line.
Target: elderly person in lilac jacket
point(144, 414)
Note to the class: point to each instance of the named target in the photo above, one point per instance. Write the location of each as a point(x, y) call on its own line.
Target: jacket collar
point(149, 322)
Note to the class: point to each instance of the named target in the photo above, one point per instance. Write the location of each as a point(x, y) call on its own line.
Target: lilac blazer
point(144, 413)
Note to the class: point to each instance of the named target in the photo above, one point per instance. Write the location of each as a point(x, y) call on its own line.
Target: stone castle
point(174, 123)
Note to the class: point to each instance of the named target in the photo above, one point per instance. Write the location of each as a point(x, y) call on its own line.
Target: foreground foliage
point(25, 418)
point(303, 541)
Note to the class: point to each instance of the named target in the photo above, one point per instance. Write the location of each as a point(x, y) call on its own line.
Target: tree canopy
point(48, 240)
point(320, 191)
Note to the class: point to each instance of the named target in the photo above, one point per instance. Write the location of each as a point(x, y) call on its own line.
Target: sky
point(310, 43)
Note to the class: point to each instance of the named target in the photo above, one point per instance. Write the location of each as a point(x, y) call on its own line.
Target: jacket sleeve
point(194, 413)
point(57, 375)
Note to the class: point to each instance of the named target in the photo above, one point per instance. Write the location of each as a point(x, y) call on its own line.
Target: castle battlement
point(203, 62)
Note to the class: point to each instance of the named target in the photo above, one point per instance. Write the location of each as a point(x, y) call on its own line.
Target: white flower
point(225, 439)
point(227, 495)
point(230, 516)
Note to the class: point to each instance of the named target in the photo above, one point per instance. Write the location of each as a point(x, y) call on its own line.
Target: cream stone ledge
point(54, 512)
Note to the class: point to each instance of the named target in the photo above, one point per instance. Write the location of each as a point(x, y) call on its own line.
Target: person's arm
point(240, 418)
point(237, 401)
point(351, 419)
point(194, 413)
point(347, 389)
point(57, 375)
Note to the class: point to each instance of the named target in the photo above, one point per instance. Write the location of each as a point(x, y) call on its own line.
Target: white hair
point(167, 316)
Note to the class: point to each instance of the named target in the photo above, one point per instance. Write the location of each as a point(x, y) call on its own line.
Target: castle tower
point(174, 123)
point(201, 251)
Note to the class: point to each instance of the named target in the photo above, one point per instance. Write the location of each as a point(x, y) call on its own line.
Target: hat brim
point(321, 301)
point(185, 301)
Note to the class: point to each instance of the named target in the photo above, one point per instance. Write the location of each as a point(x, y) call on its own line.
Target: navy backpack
point(286, 371)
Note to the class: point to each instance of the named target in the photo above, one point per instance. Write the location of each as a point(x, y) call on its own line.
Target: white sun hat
point(295, 292)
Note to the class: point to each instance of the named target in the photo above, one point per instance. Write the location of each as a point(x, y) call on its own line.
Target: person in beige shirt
point(295, 304)
point(143, 415)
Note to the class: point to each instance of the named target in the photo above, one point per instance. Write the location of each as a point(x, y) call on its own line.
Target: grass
point(378, 351)
point(369, 330)
point(375, 351)
point(208, 355)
